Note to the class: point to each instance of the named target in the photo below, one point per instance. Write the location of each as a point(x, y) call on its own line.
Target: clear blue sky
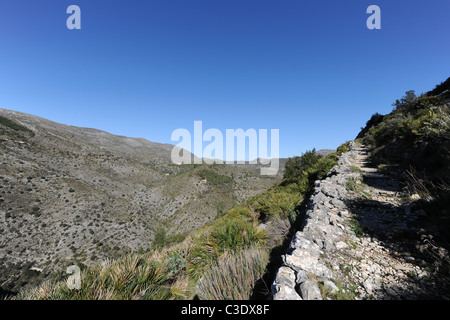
point(145, 68)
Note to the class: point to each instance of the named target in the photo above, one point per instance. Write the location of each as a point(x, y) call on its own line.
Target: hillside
point(71, 195)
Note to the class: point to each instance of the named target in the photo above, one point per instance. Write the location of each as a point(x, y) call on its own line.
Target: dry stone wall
point(324, 230)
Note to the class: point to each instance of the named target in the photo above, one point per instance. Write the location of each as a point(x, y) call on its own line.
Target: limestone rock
point(283, 288)
point(307, 261)
point(310, 291)
point(328, 284)
point(301, 277)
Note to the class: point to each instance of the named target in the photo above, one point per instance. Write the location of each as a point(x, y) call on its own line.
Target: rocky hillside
point(71, 194)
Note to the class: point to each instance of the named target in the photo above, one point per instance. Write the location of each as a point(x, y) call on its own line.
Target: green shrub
point(356, 227)
point(405, 102)
point(276, 202)
point(236, 234)
point(304, 170)
point(322, 168)
point(428, 124)
point(343, 148)
point(389, 130)
point(239, 211)
point(373, 121)
point(297, 167)
point(176, 263)
point(202, 256)
point(411, 104)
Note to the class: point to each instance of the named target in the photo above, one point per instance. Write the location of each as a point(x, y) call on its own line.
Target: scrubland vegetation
point(222, 260)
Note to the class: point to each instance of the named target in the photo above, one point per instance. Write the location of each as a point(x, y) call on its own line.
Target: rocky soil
point(361, 239)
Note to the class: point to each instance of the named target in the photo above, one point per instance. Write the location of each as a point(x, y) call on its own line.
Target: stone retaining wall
point(324, 230)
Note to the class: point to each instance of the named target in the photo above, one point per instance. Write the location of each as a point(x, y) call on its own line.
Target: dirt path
point(393, 257)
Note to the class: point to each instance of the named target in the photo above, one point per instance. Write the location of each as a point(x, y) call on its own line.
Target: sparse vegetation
point(357, 228)
point(214, 178)
point(355, 184)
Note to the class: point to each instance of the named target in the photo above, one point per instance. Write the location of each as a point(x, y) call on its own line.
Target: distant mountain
point(70, 194)
point(324, 152)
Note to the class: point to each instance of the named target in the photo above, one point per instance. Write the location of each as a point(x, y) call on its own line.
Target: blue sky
point(311, 69)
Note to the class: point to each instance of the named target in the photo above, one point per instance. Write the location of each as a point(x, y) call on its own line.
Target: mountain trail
point(361, 239)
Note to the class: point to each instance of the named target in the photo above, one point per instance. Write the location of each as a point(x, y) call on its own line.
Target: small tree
point(405, 101)
point(297, 167)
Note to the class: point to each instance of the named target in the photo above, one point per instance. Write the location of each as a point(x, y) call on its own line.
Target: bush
point(202, 256)
point(373, 121)
point(351, 184)
point(280, 202)
point(297, 167)
point(234, 234)
point(322, 168)
point(343, 148)
point(176, 263)
point(404, 103)
point(304, 170)
point(239, 211)
point(429, 124)
point(411, 104)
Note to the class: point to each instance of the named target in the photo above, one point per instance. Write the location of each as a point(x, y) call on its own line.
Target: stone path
point(359, 240)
